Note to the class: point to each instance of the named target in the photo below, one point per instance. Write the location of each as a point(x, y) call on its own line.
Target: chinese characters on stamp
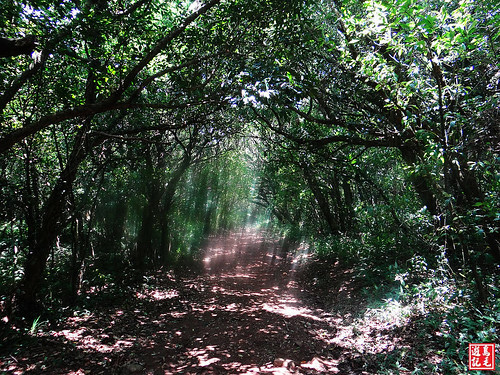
point(481, 356)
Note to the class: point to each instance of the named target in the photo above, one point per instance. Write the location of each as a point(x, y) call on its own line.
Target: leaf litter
point(245, 311)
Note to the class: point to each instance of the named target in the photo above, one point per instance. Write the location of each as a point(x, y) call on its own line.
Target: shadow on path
point(242, 314)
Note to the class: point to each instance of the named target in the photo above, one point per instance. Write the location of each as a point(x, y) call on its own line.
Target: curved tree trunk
point(16, 47)
point(53, 214)
point(166, 205)
point(322, 200)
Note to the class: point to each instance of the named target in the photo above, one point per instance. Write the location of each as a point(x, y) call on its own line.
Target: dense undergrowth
point(422, 312)
point(403, 315)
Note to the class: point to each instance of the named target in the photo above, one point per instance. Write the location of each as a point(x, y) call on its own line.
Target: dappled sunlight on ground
point(288, 310)
point(244, 313)
point(157, 295)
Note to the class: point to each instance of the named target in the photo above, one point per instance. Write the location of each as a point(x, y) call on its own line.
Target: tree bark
point(16, 47)
point(421, 182)
point(110, 103)
point(167, 203)
point(321, 199)
point(78, 254)
point(145, 249)
point(52, 216)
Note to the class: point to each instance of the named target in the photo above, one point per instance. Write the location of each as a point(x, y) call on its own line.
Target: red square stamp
point(481, 357)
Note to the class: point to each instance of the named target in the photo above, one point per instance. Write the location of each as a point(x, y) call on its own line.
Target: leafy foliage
point(366, 131)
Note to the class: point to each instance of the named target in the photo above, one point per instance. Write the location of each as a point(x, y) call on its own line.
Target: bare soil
point(242, 311)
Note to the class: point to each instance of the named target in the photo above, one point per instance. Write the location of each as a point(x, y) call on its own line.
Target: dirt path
point(245, 314)
point(242, 314)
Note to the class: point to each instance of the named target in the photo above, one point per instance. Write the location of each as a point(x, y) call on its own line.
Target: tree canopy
point(131, 130)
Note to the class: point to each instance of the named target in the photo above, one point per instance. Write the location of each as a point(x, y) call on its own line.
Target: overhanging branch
point(111, 103)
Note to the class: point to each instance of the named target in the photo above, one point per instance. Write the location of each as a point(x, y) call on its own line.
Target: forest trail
point(244, 314)
point(240, 314)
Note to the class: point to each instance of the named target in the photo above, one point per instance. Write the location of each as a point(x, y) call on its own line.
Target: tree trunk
point(336, 196)
point(349, 204)
point(117, 229)
point(78, 255)
point(167, 202)
point(422, 183)
point(145, 249)
point(16, 47)
point(52, 216)
point(322, 200)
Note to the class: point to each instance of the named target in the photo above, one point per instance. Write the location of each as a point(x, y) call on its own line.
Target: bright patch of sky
point(252, 99)
point(28, 10)
point(260, 89)
point(195, 5)
point(29, 13)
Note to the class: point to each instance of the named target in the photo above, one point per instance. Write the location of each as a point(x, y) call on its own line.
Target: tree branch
point(111, 103)
point(16, 47)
